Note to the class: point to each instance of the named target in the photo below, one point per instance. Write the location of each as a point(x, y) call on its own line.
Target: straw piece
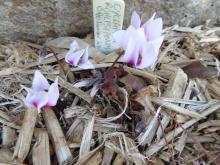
point(6, 155)
point(176, 88)
point(9, 124)
point(41, 149)
point(150, 76)
point(95, 159)
point(55, 132)
point(87, 157)
point(8, 136)
point(87, 137)
point(119, 160)
point(148, 135)
point(181, 143)
point(4, 116)
point(25, 136)
point(176, 108)
point(10, 163)
point(108, 154)
point(73, 90)
point(169, 137)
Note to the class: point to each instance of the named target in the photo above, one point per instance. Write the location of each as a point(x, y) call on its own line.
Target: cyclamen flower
point(78, 57)
point(141, 43)
point(42, 94)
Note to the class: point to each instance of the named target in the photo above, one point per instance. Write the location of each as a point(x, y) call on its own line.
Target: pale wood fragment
point(108, 154)
point(134, 154)
point(10, 163)
point(188, 91)
point(147, 136)
point(150, 76)
point(176, 88)
point(6, 155)
point(177, 84)
point(41, 149)
point(75, 132)
point(177, 108)
point(169, 137)
point(119, 160)
point(8, 136)
point(87, 157)
point(70, 88)
point(96, 159)
point(4, 116)
point(57, 137)
point(25, 136)
point(214, 88)
point(87, 137)
point(181, 143)
point(9, 124)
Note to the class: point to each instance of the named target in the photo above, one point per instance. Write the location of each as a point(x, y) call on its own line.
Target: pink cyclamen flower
point(141, 43)
point(42, 94)
point(78, 57)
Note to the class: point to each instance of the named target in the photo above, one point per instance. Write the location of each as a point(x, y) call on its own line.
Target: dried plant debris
point(115, 114)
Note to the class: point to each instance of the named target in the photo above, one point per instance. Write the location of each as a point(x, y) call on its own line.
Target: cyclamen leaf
point(134, 82)
point(197, 69)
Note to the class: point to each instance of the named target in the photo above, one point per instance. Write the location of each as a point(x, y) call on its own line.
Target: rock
point(37, 19)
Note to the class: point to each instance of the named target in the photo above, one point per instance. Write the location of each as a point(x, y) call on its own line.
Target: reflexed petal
point(39, 83)
point(95, 89)
point(86, 65)
point(153, 28)
point(131, 53)
point(157, 43)
point(85, 83)
point(74, 46)
point(141, 35)
point(131, 32)
point(37, 100)
point(74, 58)
point(118, 37)
point(148, 56)
point(85, 56)
point(30, 93)
point(135, 20)
point(53, 93)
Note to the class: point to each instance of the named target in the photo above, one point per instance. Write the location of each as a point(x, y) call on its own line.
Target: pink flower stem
point(58, 61)
point(120, 53)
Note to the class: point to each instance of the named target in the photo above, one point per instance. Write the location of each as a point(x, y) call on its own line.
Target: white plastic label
point(108, 18)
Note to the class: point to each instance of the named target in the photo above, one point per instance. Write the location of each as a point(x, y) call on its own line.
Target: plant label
point(108, 18)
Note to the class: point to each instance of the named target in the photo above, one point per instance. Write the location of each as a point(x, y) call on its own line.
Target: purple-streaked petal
point(37, 100)
point(131, 53)
point(148, 56)
point(135, 20)
point(53, 93)
point(86, 65)
point(40, 83)
point(153, 28)
point(118, 37)
point(74, 58)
